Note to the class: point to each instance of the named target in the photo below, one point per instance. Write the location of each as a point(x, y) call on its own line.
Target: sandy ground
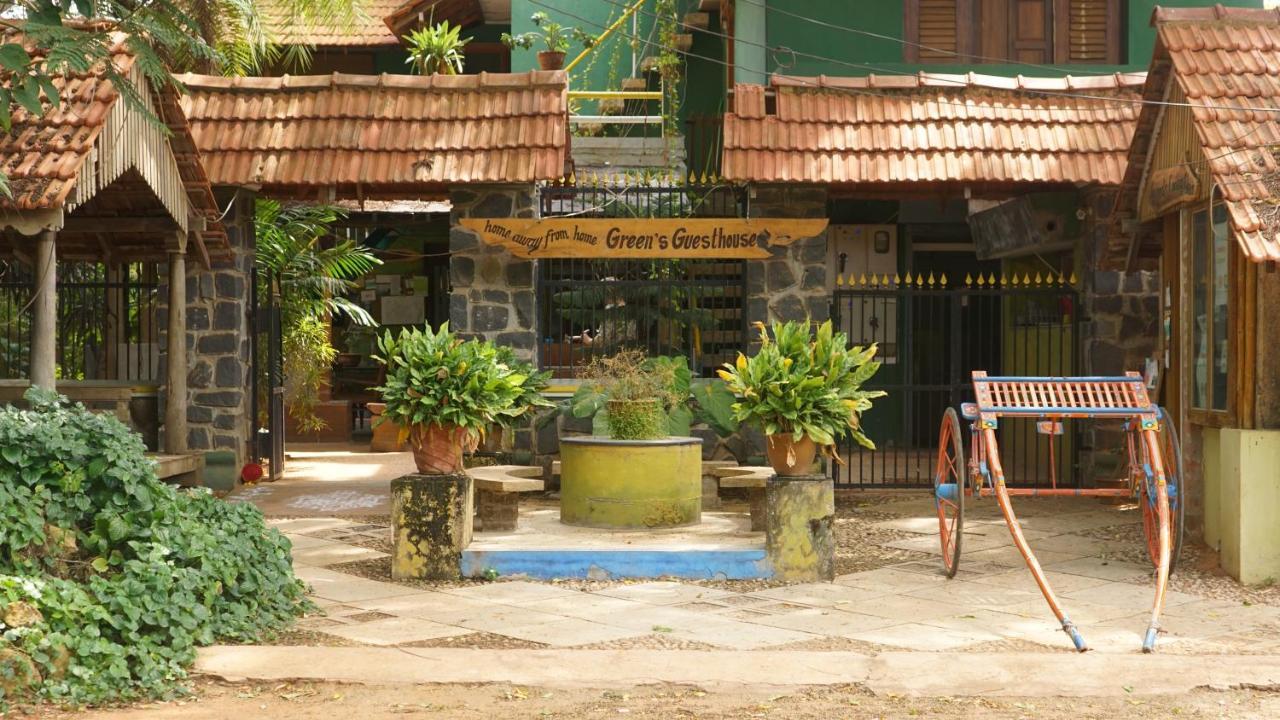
point(288, 701)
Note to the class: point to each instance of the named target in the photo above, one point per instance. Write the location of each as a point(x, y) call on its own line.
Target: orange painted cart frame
point(1154, 467)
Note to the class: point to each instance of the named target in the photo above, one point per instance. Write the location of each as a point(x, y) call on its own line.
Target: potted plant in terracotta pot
point(803, 390)
point(556, 37)
point(445, 393)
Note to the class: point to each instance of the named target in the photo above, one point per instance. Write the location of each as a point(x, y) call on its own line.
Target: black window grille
point(106, 326)
point(593, 307)
point(690, 308)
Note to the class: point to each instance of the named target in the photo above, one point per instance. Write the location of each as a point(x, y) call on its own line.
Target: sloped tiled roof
point(932, 128)
point(388, 135)
point(44, 158)
point(367, 29)
point(407, 15)
point(1227, 63)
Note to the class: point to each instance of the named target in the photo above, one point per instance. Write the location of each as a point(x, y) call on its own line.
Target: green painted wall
point(844, 53)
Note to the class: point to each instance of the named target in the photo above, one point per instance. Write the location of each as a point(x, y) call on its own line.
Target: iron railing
point(106, 323)
point(656, 194)
point(931, 337)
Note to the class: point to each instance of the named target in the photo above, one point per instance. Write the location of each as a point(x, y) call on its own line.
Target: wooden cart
point(1154, 467)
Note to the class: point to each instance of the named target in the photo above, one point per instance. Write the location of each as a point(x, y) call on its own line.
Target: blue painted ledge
point(598, 564)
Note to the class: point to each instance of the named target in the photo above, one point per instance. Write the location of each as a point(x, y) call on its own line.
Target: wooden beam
point(202, 251)
point(44, 325)
point(119, 224)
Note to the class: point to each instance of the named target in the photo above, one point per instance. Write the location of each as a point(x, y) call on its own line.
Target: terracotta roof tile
point(367, 29)
point(43, 156)
point(1227, 63)
point(932, 128)
point(380, 131)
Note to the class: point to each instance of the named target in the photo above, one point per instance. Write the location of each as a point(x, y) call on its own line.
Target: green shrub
point(435, 377)
point(110, 579)
point(808, 384)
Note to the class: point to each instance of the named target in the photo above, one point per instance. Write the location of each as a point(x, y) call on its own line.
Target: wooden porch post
point(175, 413)
point(44, 326)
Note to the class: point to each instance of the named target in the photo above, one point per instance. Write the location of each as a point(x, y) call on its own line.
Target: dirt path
point(289, 701)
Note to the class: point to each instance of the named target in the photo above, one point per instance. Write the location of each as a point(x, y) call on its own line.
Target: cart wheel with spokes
point(1171, 461)
point(948, 489)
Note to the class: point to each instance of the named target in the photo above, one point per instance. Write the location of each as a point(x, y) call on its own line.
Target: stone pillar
point(431, 523)
point(44, 325)
point(493, 291)
point(799, 538)
point(175, 413)
point(216, 341)
point(792, 283)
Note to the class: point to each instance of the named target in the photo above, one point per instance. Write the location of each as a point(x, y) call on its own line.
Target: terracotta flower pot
point(789, 456)
point(548, 60)
point(386, 434)
point(437, 449)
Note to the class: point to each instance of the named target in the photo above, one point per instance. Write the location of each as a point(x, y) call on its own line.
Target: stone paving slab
point(513, 592)
point(1103, 569)
point(333, 553)
point(925, 638)
point(341, 587)
point(829, 622)
point(822, 594)
point(908, 673)
point(568, 632)
point(394, 631)
point(663, 592)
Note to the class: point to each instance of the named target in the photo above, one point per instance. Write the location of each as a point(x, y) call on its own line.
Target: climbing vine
point(670, 68)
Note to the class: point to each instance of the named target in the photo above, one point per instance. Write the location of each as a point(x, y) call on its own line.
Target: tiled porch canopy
point(1227, 63)
point(881, 131)
point(379, 136)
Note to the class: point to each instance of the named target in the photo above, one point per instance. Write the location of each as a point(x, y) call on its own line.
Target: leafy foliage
point(555, 36)
point(127, 575)
point(436, 49)
point(437, 378)
point(312, 282)
point(805, 384)
point(630, 375)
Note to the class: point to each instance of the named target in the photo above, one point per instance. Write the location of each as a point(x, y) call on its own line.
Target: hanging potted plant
point(445, 393)
point(556, 37)
point(436, 49)
point(804, 392)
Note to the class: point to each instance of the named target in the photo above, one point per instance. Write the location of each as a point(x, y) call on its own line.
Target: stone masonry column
point(792, 284)
point(799, 538)
point(493, 291)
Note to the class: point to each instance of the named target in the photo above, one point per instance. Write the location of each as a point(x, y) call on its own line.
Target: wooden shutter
point(940, 28)
point(1031, 31)
point(1088, 31)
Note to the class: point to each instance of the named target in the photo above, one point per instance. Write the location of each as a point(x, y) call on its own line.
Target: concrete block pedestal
point(799, 538)
point(431, 524)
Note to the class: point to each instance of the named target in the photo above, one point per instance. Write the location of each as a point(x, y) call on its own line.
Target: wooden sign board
point(1167, 188)
point(568, 237)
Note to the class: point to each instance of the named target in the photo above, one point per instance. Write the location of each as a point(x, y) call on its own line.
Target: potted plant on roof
point(804, 391)
point(556, 37)
point(445, 393)
point(436, 49)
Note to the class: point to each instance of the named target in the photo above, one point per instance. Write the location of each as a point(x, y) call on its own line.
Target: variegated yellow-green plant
point(803, 383)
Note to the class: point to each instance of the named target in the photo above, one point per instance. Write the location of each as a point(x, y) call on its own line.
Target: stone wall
point(792, 284)
point(219, 331)
point(493, 291)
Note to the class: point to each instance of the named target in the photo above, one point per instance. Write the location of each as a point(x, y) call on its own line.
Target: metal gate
point(268, 378)
point(931, 336)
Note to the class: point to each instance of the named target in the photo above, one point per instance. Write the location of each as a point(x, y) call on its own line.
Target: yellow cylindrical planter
point(619, 484)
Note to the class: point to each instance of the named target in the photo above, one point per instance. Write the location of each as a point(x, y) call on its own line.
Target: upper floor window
point(1045, 32)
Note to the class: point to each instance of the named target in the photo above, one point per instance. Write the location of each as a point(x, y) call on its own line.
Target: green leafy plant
point(312, 282)
point(436, 49)
point(437, 378)
point(109, 578)
point(555, 36)
point(680, 398)
point(804, 384)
